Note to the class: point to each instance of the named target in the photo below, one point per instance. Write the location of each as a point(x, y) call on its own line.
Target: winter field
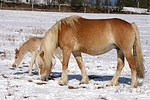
point(18, 26)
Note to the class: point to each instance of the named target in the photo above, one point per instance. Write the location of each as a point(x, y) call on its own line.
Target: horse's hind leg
point(120, 65)
point(131, 61)
point(78, 58)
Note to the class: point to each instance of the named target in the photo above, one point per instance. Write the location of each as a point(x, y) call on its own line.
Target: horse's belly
point(98, 50)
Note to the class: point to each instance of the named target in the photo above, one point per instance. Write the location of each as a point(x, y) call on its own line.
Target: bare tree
point(48, 2)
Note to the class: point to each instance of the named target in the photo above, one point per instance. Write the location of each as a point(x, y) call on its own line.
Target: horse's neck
point(23, 49)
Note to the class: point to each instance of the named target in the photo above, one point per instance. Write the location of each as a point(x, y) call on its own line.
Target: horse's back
point(97, 36)
point(34, 43)
point(35, 39)
point(106, 30)
point(103, 24)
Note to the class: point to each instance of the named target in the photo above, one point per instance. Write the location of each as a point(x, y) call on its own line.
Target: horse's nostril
point(13, 65)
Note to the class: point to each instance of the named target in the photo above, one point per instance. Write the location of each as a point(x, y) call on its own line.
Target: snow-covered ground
point(17, 26)
point(135, 10)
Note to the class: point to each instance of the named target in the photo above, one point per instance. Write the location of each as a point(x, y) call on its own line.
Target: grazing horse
point(31, 46)
point(75, 35)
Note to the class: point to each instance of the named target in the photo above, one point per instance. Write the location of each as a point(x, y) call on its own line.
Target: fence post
point(0, 4)
point(148, 6)
point(32, 5)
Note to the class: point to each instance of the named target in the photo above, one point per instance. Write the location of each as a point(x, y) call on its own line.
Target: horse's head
point(44, 70)
point(17, 58)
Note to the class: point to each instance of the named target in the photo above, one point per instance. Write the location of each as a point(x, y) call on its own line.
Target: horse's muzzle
point(44, 78)
point(13, 65)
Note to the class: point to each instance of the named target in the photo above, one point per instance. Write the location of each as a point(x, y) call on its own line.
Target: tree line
point(117, 5)
point(93, 5)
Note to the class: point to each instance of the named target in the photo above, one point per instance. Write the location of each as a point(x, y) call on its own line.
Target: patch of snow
point(135, 10)
point(17, 26)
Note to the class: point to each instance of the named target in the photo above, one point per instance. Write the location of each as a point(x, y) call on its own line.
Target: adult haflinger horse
point(75, 35)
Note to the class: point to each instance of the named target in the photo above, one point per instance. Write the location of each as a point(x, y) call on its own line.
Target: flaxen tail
point(137, 52)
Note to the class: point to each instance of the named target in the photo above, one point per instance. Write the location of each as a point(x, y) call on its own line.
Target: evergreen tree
point(133, 3)
point(119, 4)
point(97, 4)
point(76, 4)
point(143, 3)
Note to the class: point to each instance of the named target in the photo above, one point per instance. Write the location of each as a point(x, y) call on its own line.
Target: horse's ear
point(42, 55)
point(16, 50)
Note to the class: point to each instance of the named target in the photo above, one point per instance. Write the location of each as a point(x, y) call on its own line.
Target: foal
point(32, 46)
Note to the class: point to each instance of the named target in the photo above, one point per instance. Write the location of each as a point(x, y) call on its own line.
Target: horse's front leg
point(78, 57)
point(32, 62)
point(66, 56)
point(58, 53)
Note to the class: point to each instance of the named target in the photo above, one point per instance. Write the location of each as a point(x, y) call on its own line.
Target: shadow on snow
point(78, 77)
point(124, 80)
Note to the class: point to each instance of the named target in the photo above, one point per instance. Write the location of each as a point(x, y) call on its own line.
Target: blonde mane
point(70, 21)
point(46, 44)
point(52, 36)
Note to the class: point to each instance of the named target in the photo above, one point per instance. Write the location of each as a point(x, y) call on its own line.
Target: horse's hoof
point(83, 82)
point(112, 84)
point(61, 83)
point(30, 74)
point(134, 85)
